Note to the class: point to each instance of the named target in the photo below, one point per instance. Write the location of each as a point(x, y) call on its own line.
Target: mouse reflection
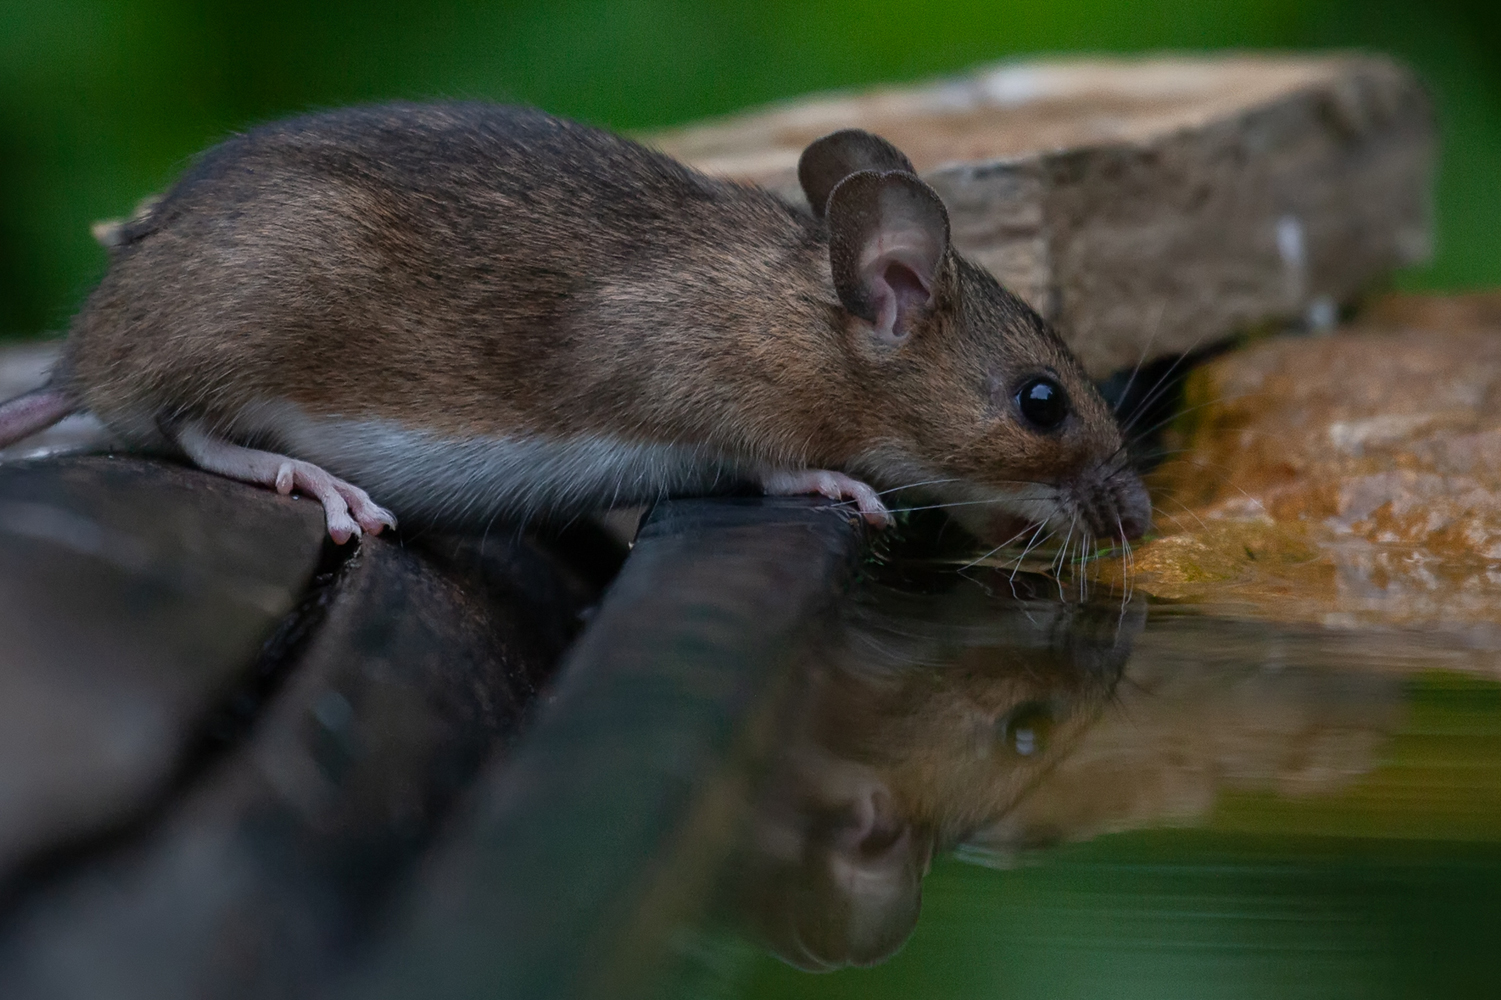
point(997, 720)
point(918, 720)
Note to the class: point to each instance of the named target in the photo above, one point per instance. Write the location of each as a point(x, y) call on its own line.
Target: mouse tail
point(36, 411)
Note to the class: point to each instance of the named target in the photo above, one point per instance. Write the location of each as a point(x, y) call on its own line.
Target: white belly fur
point(471, 480)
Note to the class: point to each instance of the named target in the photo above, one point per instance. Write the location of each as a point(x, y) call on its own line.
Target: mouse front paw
point(834, 485)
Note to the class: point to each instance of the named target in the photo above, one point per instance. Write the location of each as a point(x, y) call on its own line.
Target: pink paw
point(349, 509)
point(834, 485)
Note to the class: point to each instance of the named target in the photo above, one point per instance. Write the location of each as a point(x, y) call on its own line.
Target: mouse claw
point(835, 486)
point(369, 517)
point(348, 510)
point(341, 527)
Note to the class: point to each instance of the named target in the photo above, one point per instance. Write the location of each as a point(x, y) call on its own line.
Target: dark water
point(1118, 801)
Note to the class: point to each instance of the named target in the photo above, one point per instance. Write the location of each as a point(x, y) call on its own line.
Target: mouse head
point(922, 718)
point(831, 874)
point(965, 388)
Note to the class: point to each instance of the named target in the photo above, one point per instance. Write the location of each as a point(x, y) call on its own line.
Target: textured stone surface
point(134, 597)
point(1353, 476)
point(1146, 206)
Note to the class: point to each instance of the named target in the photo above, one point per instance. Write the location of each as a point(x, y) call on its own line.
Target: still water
point(977, 789)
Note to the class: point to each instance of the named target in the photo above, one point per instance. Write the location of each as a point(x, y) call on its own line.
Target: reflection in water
point(1205, 708)
point(923, 717)
point(995, 718)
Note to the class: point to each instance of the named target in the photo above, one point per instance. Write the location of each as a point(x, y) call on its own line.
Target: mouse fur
point(470, 311)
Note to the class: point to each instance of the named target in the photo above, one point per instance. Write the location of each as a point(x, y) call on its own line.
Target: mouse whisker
point(970, 503)
point(1128, 564)
point(1140, 434)
point(1164, 381)
point(1086, 556)
point(1141, 358)
point(980, 559)
point(1190, 512)
point(1182, 525)
point(1058, 562)
point(913, 486)
point(1224, 472)
point(1031, 543)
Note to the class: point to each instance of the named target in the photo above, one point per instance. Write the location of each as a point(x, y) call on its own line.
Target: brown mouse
point(466, 311)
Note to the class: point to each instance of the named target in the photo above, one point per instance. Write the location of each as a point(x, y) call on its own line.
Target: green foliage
point(102, 101)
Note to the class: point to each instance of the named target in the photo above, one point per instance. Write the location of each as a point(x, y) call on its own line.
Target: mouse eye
point(1043, 402)
point(1025, 729)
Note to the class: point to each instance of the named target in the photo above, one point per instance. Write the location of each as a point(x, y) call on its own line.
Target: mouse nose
point(1132, 505)
point(1115, 504)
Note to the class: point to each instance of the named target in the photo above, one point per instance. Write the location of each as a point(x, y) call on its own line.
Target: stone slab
point(1348, 480)
point(134, 595)
point(1145, 206)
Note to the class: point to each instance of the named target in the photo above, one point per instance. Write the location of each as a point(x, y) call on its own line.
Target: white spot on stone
point(1293, 249)
point(1322, 314)
point(1290, 245)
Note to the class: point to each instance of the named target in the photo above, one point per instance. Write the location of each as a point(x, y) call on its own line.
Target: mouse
point(456, 312)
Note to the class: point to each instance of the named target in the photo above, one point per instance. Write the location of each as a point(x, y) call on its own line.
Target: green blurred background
point(103, 101)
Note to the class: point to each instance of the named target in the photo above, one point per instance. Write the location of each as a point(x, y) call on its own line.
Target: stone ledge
point(1146, 206)
point(1348, 480)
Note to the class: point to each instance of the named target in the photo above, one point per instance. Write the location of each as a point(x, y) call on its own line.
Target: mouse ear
point(829, 160)
point(888, 234)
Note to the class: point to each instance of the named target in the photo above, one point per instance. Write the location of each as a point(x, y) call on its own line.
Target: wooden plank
point(261, 878)
point(135, 596)
point(1145, 206)
point(603, 828)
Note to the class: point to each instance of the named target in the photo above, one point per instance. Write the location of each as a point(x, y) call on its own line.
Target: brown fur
point(475, 270)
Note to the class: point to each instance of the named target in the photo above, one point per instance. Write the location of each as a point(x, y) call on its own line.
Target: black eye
point(1043, 402)
point(1026, 728)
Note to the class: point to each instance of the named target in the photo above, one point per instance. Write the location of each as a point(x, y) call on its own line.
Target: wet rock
point(1354, 476)
point(1146, 206)
point(134, 597)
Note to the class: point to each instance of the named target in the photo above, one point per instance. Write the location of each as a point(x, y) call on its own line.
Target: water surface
point(1120, 801)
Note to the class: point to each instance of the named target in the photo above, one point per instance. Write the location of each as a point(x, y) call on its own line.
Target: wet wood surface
point(133, 598)
point(241, 761)
point(606, 827)
point(226, 739)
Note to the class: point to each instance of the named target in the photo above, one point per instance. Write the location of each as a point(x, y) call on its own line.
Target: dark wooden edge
point(576, 846)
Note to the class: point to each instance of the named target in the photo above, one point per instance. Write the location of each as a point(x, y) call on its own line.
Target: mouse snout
point(1114, 504)
point(1134, 507)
